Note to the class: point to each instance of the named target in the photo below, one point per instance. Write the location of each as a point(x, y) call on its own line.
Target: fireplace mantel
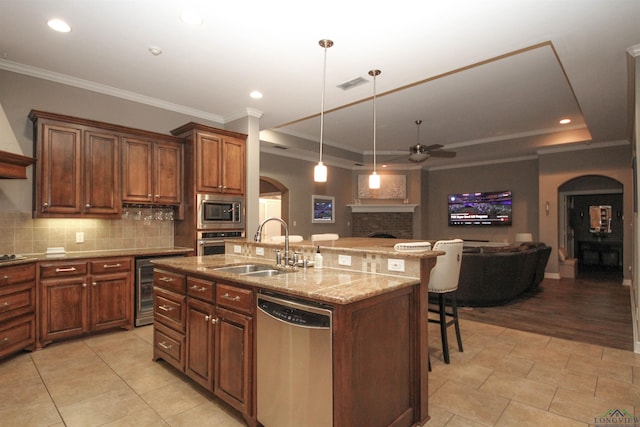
point(382, 208)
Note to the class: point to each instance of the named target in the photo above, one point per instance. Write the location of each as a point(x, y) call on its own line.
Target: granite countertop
point(330, 285)
point(28, 258)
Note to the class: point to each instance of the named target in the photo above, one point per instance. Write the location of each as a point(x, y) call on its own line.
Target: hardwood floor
point(593, 308)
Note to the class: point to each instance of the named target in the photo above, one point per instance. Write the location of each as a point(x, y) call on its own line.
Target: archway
point(584, 199)
point(274, 201)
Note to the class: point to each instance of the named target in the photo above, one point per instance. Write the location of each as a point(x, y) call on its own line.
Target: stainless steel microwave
point(220, 212)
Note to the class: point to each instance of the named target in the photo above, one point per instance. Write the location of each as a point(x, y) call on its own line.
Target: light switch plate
point(79, 236)
point(344, 260)
point(259, 251)
point(237, 249)
point(395, 265)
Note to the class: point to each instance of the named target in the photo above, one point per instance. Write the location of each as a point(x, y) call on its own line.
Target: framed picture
point(323, 209)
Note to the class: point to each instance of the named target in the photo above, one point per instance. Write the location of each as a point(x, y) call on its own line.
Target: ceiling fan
point(419, 153)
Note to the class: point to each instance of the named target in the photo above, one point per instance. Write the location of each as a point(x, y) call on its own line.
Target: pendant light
point(374, 178)
point(320, 170)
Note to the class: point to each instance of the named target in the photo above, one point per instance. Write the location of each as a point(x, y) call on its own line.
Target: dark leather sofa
point(496, 275)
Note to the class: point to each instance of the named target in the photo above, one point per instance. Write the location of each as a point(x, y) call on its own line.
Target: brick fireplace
point(381, 220)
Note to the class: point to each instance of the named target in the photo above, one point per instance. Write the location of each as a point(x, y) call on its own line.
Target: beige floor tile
point(571, 380)
point(465, 373)
point(529, 392)
point(208, 414)
point(581, 406)
point(524, 339)
point(459, 421)
point(145, 333)
point(439, 416)
point(521, 415)
point(144, 418)
point(557, 359)
point(42, 413)
point(505, 363)
point(19, 369)
point(621, 356)
point(575, 347)
point(626, 394)
point(469, 403)
point(174, 398)
point(595, 366)
point(76, 388)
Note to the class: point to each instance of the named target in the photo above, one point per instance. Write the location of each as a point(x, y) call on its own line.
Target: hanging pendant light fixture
point(320, 170)
point(374, 178)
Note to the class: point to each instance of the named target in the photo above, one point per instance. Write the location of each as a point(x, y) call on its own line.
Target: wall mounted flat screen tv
point(481, 209)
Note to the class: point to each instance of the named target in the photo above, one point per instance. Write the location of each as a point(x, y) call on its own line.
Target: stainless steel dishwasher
point(294, 372)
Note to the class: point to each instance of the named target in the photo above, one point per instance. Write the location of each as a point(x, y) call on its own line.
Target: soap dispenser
point(317, 262)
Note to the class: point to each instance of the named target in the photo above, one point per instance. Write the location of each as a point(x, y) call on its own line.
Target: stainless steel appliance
point(294, 362)
point(220, 212)
point(212, 242)
point(144, 290)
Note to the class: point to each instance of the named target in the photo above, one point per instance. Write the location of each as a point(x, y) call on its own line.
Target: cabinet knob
point(95, 283)
point(45, 205)
point(87, 205)
point(214, 320)
point(149, 196)
point(84, 285)
point(157, 196)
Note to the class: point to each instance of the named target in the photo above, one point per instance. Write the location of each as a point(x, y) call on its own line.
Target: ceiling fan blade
point(431, 147)
point(442, 153)
point(394, 159)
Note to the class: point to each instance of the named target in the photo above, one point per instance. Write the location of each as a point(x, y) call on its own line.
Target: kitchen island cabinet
point(379, 344)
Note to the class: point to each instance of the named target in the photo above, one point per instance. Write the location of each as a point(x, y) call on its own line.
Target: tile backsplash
point(21, 234)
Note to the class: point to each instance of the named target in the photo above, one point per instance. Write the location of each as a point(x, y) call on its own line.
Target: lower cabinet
point(17, 308)
point(79, 297)
point(217, 338)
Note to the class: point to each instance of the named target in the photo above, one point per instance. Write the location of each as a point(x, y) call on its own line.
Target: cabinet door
point(167, 184)
point(101, 174)
point(59, 165)
point(200, 338)
point(208, 163)
point(233, 359)
point(137, 175)
point(111, 303)
point(233, 166)
point(64, 308)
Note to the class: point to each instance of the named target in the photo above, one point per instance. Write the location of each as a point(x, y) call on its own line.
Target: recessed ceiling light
point(565, 121)
point(155, 51)
point(191, 17)
point(255, 94)
point(58, 25)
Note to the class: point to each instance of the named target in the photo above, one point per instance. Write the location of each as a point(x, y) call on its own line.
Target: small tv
point(491, 208)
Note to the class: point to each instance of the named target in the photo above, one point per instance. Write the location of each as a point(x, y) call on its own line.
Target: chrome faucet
point(258, 236)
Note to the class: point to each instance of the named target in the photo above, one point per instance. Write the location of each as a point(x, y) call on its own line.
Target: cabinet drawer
point(63, 269)
point(168, 345)
point(17, 299)
point(110, 265)
point(235, 298)
point(201, 289)
point(17, 334)
point(17, 274)
point(171, 281)
point(169, 308)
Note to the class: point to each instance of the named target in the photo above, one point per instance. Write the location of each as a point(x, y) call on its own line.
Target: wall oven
point(212, 242)
point(220, 212)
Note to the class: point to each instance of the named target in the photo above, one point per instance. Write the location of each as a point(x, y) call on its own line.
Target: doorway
point(592, 225)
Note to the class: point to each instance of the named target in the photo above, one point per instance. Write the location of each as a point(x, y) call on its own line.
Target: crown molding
point(105, 89)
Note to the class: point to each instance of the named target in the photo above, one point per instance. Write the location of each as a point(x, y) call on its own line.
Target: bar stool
point(443, 281)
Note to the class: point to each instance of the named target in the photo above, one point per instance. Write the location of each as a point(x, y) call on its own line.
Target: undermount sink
point(256, 270)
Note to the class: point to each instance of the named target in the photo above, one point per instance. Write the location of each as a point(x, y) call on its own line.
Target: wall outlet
point(79, 236)
point(237, 249)
point(395, 265)
point(344, 260)
point(259, 251)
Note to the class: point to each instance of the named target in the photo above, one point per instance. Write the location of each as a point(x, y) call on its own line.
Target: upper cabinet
point(152, 171)
point(218, 158)
point(77, 169)
point(86, 168)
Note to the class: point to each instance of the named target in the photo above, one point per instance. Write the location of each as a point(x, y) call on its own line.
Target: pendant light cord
point(326, 44)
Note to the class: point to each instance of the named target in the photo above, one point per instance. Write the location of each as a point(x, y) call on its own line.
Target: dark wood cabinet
point(78, 169)
point(213, 322)
point(17, 308)
point(152, 171)
point(220, 164)
point(79, 297)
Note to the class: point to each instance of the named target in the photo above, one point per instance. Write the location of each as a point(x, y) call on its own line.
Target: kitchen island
point(379, 332)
